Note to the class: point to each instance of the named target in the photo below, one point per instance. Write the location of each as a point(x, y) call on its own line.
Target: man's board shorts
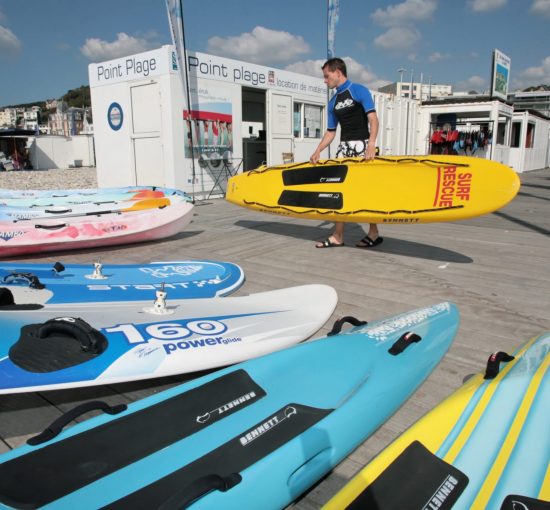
point(351, 149)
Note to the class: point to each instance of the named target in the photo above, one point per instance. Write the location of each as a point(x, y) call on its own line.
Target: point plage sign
point(201, 65)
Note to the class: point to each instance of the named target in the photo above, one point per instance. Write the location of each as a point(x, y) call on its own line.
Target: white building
point(8, 117)
point(66, 121)
point(30, 118)
point(412, 90)
point(242, 113)
point(538, 100)
point(487, 128)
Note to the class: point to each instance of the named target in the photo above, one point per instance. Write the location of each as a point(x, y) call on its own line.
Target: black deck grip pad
point(38, 353)
point(231, 457)
point(311, 199)
point(516, 502)
point(415, 480)
point(330, 174)
point(60, 468)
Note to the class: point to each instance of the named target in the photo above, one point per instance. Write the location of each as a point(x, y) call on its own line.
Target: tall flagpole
point(332, 19)
point(175, 20)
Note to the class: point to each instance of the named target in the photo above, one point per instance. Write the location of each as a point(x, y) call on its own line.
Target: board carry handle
point(33, 280)
point(337, 328)
point(58, 267)
point(55, 428)
point(91, 340)
point(51, 227)
point(58, 211)
point(199, 488)
point(493, 364)
point(403, 342)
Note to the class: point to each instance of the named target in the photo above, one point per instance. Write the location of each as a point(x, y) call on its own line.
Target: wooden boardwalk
point(495, 268)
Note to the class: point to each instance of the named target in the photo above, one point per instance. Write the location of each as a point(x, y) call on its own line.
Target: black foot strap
point(404, 341)
point(337, 328)
point(493, 364)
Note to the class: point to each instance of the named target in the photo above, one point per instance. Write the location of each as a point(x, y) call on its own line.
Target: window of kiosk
point(530, 137)
point(307, 120)
point(297, 120)
point(312, 121)
point(516, 134)
point(502, 131)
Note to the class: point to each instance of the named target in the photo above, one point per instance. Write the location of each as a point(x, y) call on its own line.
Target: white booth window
point(502, 131)
point(516, 134)
point(297, 120)
point(307, 120)
point(530, 138)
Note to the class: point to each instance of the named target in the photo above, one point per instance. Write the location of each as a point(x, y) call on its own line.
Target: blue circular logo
point(115, 116)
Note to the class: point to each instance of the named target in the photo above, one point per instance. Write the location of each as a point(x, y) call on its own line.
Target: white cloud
point(261, 46)
point(541, 7)
point(437, 57)
point(476, 83)
point(486, 5)
point(407, 12)
point(356, 72)
point(398, 39)
point(536, 75)
point(97, 49)
point(9, 43)
point(309, 67)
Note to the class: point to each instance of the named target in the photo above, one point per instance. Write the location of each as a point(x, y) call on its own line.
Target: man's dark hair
point(336, 63)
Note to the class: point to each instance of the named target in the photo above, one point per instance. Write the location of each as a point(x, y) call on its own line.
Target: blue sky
point(46, 45)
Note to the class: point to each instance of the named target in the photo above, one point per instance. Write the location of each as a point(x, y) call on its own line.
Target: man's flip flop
point(327, 243)
point(367, 242)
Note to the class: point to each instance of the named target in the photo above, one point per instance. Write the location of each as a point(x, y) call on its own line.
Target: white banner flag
point(332, 17)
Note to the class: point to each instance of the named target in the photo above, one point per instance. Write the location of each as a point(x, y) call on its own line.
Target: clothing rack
point(461, 138)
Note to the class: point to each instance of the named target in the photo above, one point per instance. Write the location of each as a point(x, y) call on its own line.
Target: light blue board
point(352, 375)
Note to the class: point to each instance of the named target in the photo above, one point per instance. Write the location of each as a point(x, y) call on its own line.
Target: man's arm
point(323, 144)
point(370, 151)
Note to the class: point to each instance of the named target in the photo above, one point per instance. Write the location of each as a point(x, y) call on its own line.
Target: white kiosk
point(241, 115)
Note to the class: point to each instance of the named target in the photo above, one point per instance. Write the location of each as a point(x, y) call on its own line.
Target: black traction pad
point(42, 354)
point(51, 472)
point(329, 174)
point(516, 502)
point(415, 480)
point(232, 457)
point(312, 199)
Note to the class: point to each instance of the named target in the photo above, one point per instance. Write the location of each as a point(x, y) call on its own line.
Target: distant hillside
point(75, 97)
point(537, 88)
point(79, 97)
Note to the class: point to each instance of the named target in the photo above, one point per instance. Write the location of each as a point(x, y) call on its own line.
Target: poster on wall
point(209, 126)
point(500, 77)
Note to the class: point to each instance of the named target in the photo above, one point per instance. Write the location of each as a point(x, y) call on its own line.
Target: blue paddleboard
point(255, 435)
point(75, 283)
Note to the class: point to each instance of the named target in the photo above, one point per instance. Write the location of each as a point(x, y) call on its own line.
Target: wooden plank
point(494, 268)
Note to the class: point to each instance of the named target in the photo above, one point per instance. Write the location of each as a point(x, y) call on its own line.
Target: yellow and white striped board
point(496, 432)
point(399, 189)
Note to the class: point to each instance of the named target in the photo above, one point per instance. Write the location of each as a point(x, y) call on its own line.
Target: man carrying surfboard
point(353, 108)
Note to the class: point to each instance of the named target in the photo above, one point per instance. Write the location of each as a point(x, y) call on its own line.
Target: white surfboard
point(72, 345)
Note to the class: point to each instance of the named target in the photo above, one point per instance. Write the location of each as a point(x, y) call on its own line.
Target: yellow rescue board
point(398, 189)
point(493, 431)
